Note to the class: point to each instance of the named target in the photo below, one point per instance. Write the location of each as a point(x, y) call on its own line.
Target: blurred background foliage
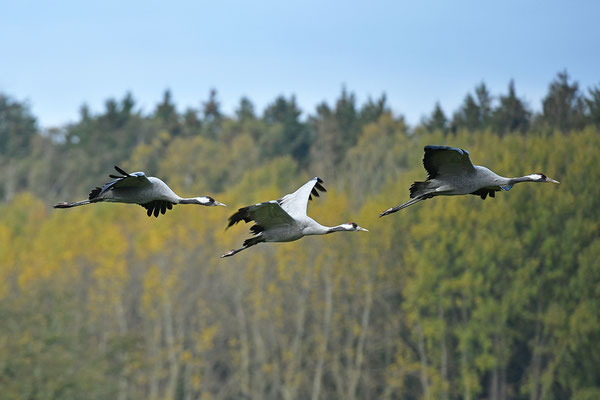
point(455, 298)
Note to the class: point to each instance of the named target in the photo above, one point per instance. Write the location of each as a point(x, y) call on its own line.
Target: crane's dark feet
point(388, 212)
point(230, 253)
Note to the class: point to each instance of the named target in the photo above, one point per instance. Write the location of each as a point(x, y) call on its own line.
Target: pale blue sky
point(58, 55)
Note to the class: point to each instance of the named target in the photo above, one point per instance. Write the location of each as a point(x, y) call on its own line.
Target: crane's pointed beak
point(220, 204)
point(358, 228)
point(550, 180)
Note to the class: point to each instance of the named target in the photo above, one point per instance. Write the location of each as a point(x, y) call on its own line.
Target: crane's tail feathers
point(66, 204)
point(401, 206)
point(419, 189)
point(253, 241)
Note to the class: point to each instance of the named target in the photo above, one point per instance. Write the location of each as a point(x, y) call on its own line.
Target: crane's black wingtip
point(120, 170)
point(239, 215)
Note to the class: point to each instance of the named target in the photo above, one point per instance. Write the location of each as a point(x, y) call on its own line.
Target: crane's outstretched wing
point(266, 215)
point(442, 160)
point(295, 204)
point(137, 179)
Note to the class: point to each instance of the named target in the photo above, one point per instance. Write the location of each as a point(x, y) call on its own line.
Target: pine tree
point(245, 110)
point(468, 116)
point(563, 106)
point(593, 106)
point(293, 137)
point(437, 121)
point(167, 115)
point(511, 114)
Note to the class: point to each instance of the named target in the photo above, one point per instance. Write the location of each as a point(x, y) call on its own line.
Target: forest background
point(454, 298)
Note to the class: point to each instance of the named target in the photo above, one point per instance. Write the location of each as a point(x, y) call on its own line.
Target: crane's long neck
point(317, 229)
point(187, 201)
point(338, 228)
point(202, 200)
point(527, 178)
point(507, 183)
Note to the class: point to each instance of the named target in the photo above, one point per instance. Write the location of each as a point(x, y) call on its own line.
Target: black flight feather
point(241, 214)
point(256, 229)
point(119, 170)
point(95, 192)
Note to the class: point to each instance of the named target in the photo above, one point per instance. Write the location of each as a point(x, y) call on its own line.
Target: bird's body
point(451, 173)
point(285, 220)
point(137, 188)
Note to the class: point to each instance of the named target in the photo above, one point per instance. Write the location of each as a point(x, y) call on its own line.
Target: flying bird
point(148, 191)
point(285, 220)
point(451, 172)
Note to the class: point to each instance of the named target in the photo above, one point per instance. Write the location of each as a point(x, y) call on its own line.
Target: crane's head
point(348, 227)
point(539, 177)
point(208, 201)
point(351, 226)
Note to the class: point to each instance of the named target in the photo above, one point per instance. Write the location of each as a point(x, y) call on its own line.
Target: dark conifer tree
point(437, 120)
point(563, 106)
point(511, 114)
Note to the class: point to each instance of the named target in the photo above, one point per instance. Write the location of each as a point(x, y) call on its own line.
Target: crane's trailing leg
point(247, 243)
point(233, 252)
point(66, 204)
point(401, 206)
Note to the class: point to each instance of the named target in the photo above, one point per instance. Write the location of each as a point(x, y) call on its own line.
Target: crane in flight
point(451, 172)
point(285, 220)
point(148, 191)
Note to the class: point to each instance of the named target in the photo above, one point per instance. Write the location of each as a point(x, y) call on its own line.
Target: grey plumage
point(451, 172)
point(285, 220)
point(149, 192)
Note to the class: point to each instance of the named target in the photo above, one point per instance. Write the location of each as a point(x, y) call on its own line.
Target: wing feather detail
point(137, 179)
point(442, 160)
point(266, 215)
point(295, 204)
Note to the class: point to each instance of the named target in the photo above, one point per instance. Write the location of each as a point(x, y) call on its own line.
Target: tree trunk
point(244, 345)
point(424, 364)
point(355, 370)
point(536, 360)
point(327, 314)
point(290, 385)
point(465, 356)
point(122, 322)
point(172, 352)
point(443, 353)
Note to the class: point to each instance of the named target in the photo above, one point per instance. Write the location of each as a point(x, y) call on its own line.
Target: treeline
point(457, 298)
point(34, 160)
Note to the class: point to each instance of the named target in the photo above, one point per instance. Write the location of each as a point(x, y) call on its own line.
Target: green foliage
point(453, 298)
